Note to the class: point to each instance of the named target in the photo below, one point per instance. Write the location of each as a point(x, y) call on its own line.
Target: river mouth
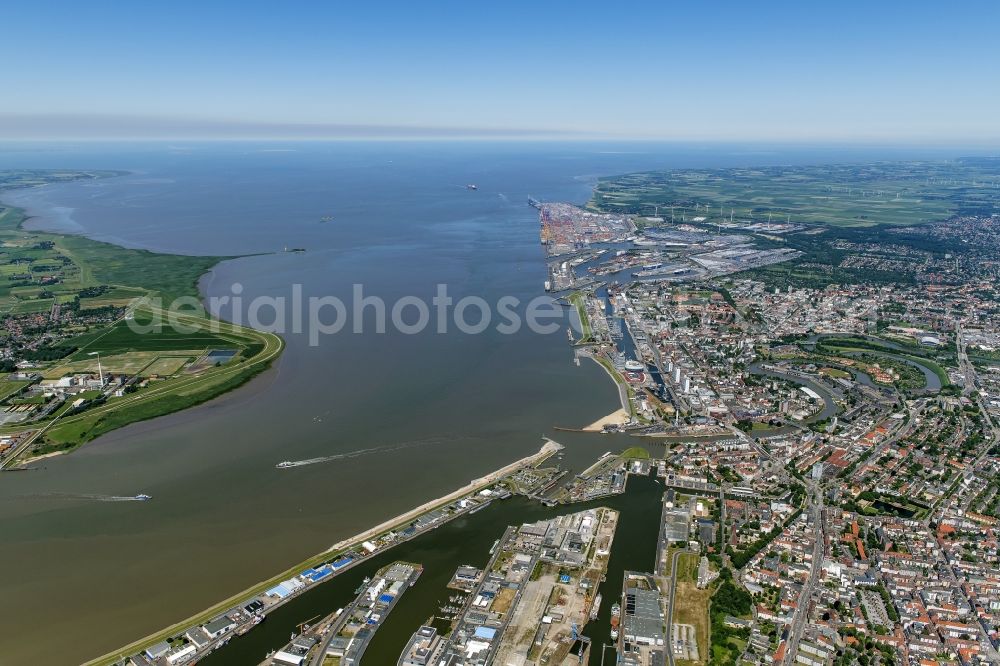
point(474, 402)
point(222, 516)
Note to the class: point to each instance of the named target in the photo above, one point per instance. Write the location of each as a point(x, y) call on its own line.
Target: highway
point(969, 372)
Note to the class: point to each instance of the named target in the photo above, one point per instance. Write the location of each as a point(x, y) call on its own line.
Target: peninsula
point(73, 367)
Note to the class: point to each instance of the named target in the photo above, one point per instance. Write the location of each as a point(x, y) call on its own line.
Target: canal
point(932, 382)
point(829, 404)
point(466, 540)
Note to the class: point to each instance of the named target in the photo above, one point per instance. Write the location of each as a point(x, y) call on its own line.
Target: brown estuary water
point(401, 419)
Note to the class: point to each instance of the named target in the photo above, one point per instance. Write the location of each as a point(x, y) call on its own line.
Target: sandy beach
point(617, 417)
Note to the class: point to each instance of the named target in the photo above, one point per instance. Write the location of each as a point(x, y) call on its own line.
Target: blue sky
point(797, 71)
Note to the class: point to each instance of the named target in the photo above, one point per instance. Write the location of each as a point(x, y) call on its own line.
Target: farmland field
point(135, 362)
point(902, 193)
point(9, 387)
point(165, 366)
point(121, 338)
point(87, 298)
point(38, 269)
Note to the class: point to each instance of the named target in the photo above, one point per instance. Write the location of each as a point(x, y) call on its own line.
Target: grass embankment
point(619, 380)
point(46, 269)
point(330, 555)
point(931, 365)
point(635, 453)
point(258, 349)
point(578, 300)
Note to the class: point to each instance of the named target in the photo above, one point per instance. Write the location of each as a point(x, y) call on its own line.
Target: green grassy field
point(143, 363)
point(578, 300)
point(166, 275)
point(691, 605)
point(258, 350)
point(39, 270)
point(9, 388)
point(894, 193)
point(121, 338)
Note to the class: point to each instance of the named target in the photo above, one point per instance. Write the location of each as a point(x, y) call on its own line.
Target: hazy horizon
point(730, 72)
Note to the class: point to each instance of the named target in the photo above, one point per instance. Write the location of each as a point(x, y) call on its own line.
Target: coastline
point(619, 384)
point(548, 449)
point(436, 489)
point(167, 276)
point(617, 417)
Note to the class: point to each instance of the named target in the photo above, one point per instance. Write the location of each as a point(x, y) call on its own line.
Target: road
point(460, 618)
point(969, 373)
point(338, 623)
point(964, 364)
point(802, 611)
point(903, 432)
point(722, 523)
point(670, 609)
point(331, 633)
